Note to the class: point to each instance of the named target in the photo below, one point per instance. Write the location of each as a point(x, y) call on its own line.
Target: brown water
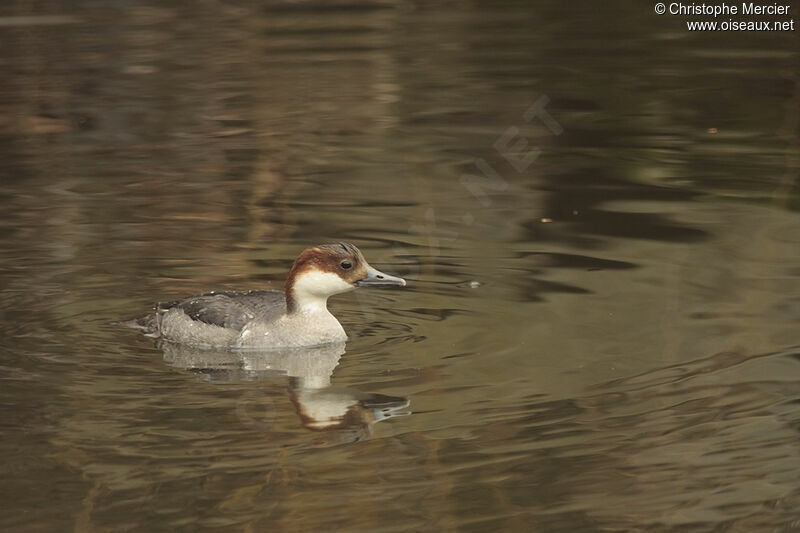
point(601, 334)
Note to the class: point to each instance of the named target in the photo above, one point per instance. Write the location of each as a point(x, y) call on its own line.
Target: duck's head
point(328, 269)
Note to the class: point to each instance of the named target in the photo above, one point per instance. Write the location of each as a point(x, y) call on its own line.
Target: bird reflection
point(337, 414)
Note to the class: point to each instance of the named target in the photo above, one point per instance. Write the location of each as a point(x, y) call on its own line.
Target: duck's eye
point(346, 264)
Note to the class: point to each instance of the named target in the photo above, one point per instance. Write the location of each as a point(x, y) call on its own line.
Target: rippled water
point(597, 213)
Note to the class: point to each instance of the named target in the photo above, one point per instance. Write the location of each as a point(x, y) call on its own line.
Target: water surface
point(600, 331)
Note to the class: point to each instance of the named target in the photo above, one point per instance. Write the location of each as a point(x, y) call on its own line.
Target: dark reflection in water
point(600, 332)
point(345, 415)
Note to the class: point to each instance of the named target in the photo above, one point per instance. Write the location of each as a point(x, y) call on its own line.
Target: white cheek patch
point(319, 282)
point(313, 288)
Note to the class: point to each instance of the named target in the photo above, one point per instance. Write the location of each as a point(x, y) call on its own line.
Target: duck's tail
point(146, 324)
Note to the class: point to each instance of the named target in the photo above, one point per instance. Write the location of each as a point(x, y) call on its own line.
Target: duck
point(296, 317)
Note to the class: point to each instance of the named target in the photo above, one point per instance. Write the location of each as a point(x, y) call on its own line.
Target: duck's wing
point(231, 309)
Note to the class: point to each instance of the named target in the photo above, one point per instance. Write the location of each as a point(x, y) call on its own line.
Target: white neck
point(311, 290)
